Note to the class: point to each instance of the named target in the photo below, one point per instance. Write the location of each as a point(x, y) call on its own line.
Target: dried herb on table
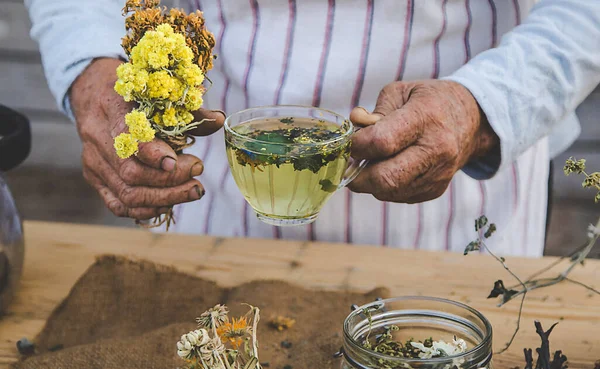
point(281, 323)
point(221, 343)
point(558, 361)
point(577, 257)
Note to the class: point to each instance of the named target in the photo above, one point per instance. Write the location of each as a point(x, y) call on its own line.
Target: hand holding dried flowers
point(221, 343)
point(169, 54)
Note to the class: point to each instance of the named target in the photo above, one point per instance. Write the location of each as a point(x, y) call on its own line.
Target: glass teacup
point(288, 160)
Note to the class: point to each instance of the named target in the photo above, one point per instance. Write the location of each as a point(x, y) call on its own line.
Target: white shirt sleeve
point(538, 75)
point(71, 33)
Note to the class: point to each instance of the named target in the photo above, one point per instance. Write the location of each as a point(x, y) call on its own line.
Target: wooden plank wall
point(23, 87)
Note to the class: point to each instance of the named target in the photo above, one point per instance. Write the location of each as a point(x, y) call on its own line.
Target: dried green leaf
point(480, 223)
point(491, 229)
point(327, 186)
point(472, 246)
point(500, 290)
point(311, 162)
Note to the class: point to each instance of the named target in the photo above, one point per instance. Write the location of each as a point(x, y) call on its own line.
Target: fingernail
point(196, 193)
point(196, 169)
point(168, 164)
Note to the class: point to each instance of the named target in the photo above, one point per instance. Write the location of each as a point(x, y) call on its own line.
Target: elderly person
point(469, 101)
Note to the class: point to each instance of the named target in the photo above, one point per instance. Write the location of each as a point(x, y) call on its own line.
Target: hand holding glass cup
point(288, 160)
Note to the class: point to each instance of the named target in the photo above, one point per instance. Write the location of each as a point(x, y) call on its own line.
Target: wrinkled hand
point(419, 135)
point(142, 186)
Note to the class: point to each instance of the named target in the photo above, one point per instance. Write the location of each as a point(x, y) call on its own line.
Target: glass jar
point(417, 318)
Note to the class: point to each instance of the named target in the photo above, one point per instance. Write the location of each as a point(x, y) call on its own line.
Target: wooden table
point(57, 254)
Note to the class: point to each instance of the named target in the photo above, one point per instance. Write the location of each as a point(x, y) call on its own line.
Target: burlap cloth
point(130, 314)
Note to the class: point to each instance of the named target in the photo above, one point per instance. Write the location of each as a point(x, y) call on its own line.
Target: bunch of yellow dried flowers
point(169, 54)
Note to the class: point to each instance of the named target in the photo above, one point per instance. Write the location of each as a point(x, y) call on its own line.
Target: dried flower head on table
point(221, 343)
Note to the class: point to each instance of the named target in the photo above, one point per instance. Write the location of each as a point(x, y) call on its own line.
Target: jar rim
point(480, 346)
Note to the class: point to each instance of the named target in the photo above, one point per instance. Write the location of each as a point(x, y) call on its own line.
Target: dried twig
point(543, 362)
point(583, 285)
point(499, 289)
point(576, 257)
point(528, 358)
point(510, 293)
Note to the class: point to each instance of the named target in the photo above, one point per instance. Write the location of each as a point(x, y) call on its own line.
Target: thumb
point(213, 121)
point(390, 127)
point(390, 135)
point(361, 117)
point(158, 154)
point(392, 97)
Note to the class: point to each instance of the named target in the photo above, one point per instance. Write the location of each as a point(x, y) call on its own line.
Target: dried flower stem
point(510, 293)
point(219, 343)
point(256, 314)
point(524, 293)
point(583, 285)
point(576, 257)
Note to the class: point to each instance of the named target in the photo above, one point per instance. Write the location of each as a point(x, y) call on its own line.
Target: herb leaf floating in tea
point(327, 186)
point(313, 163)
point(306, 148)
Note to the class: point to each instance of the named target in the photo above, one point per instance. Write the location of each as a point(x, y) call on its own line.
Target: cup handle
point(352, 171)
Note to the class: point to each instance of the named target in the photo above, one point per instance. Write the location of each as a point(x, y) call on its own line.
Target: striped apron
point(338, 55)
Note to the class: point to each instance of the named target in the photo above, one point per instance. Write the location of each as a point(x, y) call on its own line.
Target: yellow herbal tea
point(288, 167)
